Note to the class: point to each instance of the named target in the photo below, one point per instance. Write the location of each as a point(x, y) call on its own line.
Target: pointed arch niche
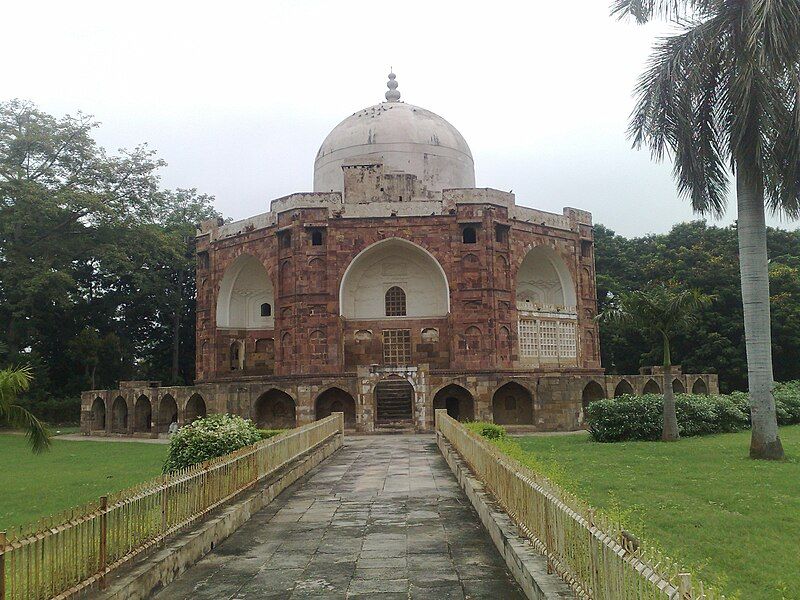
point(394, 262)
point(243, 293)
point(547, 307)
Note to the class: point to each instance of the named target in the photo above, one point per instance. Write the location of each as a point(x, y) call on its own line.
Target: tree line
point(96, 261)
point(701, 257)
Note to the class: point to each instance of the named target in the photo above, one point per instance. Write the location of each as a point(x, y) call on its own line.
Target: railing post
point(685, 586)
point(103, 539)
point(3, 565)
point(164, 506)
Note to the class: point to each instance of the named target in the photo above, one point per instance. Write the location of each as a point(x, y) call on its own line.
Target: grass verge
point(71, 473)
point(733, 521)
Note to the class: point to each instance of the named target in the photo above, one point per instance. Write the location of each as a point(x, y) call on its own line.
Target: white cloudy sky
point(237, 96)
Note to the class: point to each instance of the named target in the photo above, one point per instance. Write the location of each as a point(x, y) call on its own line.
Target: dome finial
point(392, 95)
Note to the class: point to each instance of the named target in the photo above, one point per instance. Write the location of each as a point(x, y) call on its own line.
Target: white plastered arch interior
point(546, 303)
point(245, 287)
point(544, 282)
point(388, 263)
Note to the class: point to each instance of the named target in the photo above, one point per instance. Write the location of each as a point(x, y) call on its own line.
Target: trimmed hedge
point(207, 438)
point(641, 417)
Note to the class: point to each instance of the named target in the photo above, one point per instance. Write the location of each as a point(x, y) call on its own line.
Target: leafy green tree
point(14, 381)
point(663, 311)
point(90, 241)
point(726, 92)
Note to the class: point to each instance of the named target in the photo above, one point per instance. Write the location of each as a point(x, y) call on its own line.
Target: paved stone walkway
point(383, 518)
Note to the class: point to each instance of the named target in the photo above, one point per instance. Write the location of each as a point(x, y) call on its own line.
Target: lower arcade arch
point(624, 388)
point(700, 387)
point(119, 415)
point(335, 400)
point(651, 387)
point(195, 409)
point(591, 393)
point(98, 414)
point(142, 414)
point(678, 387)
point(457, 400)
point(275, 410)
point(167, 412)
point(512, 404)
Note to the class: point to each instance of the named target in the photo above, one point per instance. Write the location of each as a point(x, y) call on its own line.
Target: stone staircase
point(395, 405)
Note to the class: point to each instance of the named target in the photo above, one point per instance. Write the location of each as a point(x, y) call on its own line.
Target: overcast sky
point(238, 96)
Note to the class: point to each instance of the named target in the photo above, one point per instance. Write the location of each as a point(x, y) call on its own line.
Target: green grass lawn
point(733, 521)
point(71, 473)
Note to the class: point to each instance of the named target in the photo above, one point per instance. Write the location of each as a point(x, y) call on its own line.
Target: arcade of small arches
point(143, 414)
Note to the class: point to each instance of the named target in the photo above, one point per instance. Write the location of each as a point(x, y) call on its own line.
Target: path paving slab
point(383, 518)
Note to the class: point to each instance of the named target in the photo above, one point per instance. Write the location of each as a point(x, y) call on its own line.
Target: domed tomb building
point(395, 288)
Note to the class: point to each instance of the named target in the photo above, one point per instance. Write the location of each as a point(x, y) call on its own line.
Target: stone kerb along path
point(383, 518)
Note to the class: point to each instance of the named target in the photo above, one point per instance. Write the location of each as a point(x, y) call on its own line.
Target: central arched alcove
point(274, 410)
point(512, 404)
point(246, 296)
point(394, 263)
point(98, 414)
point(544, 282)
point(678, 387)
point(457, 400)
point(336, 400)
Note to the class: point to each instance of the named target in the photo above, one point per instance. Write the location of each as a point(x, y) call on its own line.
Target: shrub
point(787, 402)
point(490, 431)
point(207, 438)
point(268, 433)
point(626, 418)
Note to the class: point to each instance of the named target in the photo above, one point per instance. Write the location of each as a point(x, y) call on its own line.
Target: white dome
point(407, 139)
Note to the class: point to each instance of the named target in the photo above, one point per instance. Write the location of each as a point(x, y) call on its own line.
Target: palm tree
point(662, 311)
point(725, 92)
point(13, 381)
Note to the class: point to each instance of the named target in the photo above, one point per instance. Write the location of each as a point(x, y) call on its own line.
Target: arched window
point(469, 235)
point(395, 302)
point(266, 309)
point(316, 238)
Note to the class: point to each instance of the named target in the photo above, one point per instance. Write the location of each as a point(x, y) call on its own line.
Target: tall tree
point(726, 92)
point(663, 311)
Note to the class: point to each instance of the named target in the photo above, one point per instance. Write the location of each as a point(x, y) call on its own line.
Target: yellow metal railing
point(594, 555)
point(63, 554)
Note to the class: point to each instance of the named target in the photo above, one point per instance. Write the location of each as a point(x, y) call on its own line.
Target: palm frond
point(37, 432)
point(14, 381)
point(671, 10)
point(678, 110)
